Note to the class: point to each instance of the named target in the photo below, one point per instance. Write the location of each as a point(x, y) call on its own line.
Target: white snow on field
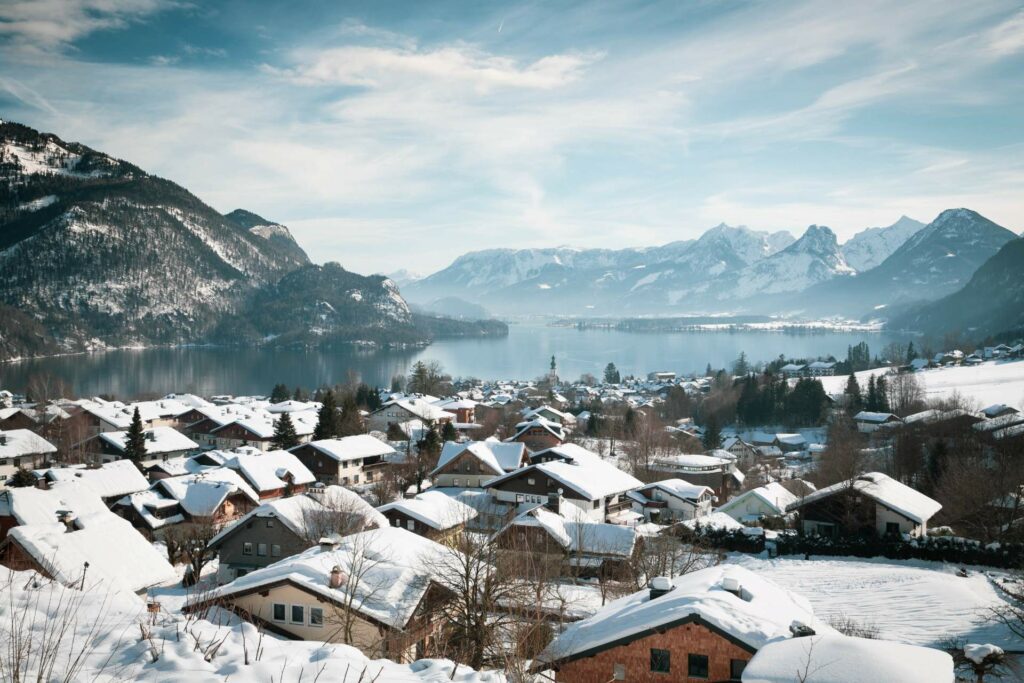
point(912, 601)
point(987, 383)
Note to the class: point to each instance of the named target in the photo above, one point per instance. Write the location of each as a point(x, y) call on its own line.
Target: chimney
point(150, 436)
point(67, 518)
point(328, 543)
point(3, 439)
point(800, 629)
point(337, 577)
point(659, 585)
point(732, 585)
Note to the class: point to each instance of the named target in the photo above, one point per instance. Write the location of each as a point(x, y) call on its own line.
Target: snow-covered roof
point(200, 495)
point(593, 478)
point(119, 557)
point(554, 428)
point(693, 461)
point(435, 509)
point(268, 471)
point(774, 495)
point(796, 439)
point(389, 584)
point(885, 490)
point(291, 406)
point(680, 488)
point(762, 613)
point(420, 408)
point(997, 409)
point(15, 443)
point(835, 658)
point(117, 478)
point(351, 447)
point(997, 423)
point(874, 418)
point(499, 456)
point(158, 440)
point(294, 512)
point(29, 505)
point(716, 520)
point(594, 538)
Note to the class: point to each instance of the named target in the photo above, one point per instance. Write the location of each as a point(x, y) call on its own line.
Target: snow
point(19, 442)
point(352, 447)
point(894, 495)
point(201, 494)
point(293, 513)
point(269, 471)
point(835, 658)
point(680, 488)
point(581, 537)
point(433, 508)
point(118, 478)
point(978, 653)
point(911, 601)
point(43, 506)
point(158, 440)
point(716, 520)
point(499, 457)
point(774, 495)
point(762, 613)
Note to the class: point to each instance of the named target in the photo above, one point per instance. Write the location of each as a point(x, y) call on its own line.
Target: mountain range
point(96, 252)
point(731, 270)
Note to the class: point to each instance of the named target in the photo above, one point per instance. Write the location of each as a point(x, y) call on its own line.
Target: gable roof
point(18, 442)
point(158, 440)
point(117, 478)
point(593, 480)
point(886, 491)
point(579, 537)
point(762, 613)
point(875, 418)
point(680, 488)
point(433, 508)
point(553, 428)
point(498, 456)
point(200, 495)
point(773, 494)
point(267, 471)
point(350, 447)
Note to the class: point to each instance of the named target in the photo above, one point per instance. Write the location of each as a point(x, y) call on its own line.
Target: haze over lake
point(524, 354)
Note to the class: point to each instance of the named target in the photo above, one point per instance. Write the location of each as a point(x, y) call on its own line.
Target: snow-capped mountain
point(869, 247)
point(274, 233)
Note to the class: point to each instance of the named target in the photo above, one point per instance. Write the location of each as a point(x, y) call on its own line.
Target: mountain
point(403, 277)
point(869, 247)
point(991, 302)
point(566, 280)
point(936, 261)
point(100, 253)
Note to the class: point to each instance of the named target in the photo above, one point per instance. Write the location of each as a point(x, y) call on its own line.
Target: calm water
point(524, 354)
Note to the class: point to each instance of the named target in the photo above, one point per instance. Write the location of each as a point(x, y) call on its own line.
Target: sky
point(399, 135)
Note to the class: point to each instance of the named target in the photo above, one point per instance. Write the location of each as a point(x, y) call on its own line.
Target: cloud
point(50, 25)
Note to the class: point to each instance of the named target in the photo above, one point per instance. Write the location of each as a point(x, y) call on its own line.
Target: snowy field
point(987, 383)
point(913, 601)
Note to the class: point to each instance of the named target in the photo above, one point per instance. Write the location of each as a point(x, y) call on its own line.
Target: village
point(596, 529)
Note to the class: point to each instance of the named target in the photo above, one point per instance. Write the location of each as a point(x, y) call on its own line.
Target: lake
point(524, 354)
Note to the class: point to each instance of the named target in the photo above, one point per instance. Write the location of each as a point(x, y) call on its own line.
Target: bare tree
point(341, 513)
point(359, 583)
point(905, 393)
point(188, 543)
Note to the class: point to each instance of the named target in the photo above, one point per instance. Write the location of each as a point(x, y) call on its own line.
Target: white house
point(770, 500)
point(672, 500)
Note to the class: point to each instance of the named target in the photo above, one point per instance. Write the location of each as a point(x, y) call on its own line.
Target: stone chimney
point(328, 544)
point(337, 577)
point(660, 585)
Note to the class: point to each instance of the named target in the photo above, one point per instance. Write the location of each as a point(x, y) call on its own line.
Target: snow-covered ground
point(987, 383)
point(912, 601)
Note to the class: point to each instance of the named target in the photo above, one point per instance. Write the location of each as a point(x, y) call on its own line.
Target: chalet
point(712, 471)
point(272, 474)
point(538, 434)
point(113, 416)
point(868, 422)
point(66, 533)
point(470, 464)
point(550, 414)
point(287, 527)
point(431, 514)
point(162, 443)
point(582, 549)
point(578, 486)
point(406, 409)
point(770, 500)
point(746, 454)
point(21, 449)
point(258, 431)
point(790, 443)
point(704, 625)
point(380, 583)
point(672, 500)
point(16, 418)
point(464, 410)
point(350, 460)
point(873, 503)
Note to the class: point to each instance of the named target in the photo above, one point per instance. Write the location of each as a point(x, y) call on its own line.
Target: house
point(550, 414)
point(472, 463)
point(16, 418)
point(379, 586)
point(715, 472)
point(672, 500)
point(538, 434)
point(66, 533)
point(770, 500)
point(111, 481)
point(704, 625)
point(162, 443)
point(836, 658)
point(572, 482)
point(868, 422)
point(403, 410)
point(746, 454)
point(464, 410)
point(272, 474)
point(793, 370)
point(288, 526)
point(257, 430)
point(790, 443)
point(21, 449)
point(582, 549)
point(431, 514)
point(350, 460)
point(872, 503)
point(998, 410)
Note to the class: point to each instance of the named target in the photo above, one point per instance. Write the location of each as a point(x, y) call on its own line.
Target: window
point(597, 504)
point(270, 524)
point(398, 522)
point(531, 481)
point(316, 617)
point(247, 548)
point(519, 498)
point(736, 667)
point(356, 479)
point(410, 525)
point(261, 549)
point(618, 672)
point(298, 614)
point(275, 550)
point(278, 612)
point(892, 528)
point(456, 482)
point(661, 661)
point(697, 666)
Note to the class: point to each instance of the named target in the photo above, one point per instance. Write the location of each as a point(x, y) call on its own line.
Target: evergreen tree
point(135, 439)
point(858, 357)
point(284, 433)
point(882, 390)
point(448, 432)
point(707, 372)
point(279, 394)
point(327, 418)
point(300, 394)
point(21, 478)
point(611, 374)
point(871, 402)
point(592, 424)
point(350, 422)
point(854, 400)
point(741, 367)
point(911, 352)
point(629, 423)
point(712, 433)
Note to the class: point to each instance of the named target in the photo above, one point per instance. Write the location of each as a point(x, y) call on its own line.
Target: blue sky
point(395, 135)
